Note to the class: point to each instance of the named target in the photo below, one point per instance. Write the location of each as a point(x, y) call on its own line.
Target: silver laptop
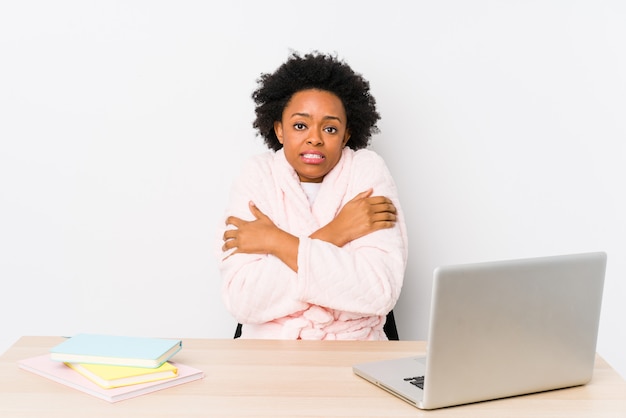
point(501, 329)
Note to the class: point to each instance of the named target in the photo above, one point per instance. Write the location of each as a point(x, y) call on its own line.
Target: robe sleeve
point(256, 288)
point(366, 275)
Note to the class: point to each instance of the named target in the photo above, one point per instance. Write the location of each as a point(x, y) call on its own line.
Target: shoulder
point(259, 160)
point(366, 159)
point(254, 170)
point(370, 170)
point(255, 181)
point(365, 155)
point(265, 163)
point(265, 171)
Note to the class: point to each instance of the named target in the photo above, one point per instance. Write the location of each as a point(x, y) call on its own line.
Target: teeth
point(312, 156)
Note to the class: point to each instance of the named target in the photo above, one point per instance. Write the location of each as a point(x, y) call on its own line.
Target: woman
point(314, 244)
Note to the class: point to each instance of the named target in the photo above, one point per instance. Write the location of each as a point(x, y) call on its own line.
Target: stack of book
point(113, 368)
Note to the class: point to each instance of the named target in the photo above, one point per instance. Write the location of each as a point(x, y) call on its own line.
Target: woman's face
point(313, 133)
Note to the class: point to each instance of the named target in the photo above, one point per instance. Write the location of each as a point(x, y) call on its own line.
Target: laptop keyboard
point(417, 381)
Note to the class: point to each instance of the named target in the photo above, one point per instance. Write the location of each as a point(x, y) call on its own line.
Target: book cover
point(115, 350)
point(109, 376)
point(61, 373)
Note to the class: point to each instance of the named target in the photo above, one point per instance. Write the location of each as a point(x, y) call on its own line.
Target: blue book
point(116, 350)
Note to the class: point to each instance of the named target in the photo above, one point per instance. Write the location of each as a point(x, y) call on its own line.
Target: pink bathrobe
point(337, 293)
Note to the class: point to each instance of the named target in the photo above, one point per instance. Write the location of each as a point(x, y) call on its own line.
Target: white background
point(122, 124)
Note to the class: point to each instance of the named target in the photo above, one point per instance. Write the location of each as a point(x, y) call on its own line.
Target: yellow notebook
point(115, 376)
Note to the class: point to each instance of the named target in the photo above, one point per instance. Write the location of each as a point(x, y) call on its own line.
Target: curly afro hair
point(322, 72)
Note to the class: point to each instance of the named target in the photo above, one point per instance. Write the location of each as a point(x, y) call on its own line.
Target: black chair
point(238, 331)
point(390, 328)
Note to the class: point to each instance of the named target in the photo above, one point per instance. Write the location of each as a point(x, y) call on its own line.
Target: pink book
point(59, 372)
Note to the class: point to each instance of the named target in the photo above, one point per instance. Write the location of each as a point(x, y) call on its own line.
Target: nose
point(315, 139)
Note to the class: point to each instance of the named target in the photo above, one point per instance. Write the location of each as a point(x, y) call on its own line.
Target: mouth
point(312, 158)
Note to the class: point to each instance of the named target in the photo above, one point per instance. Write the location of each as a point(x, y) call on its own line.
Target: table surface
point(263, 378)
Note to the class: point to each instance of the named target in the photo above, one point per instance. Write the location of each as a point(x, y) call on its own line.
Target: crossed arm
point(362, 215)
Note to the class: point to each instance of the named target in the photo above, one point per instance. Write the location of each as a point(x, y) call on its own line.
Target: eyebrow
point(306, 115)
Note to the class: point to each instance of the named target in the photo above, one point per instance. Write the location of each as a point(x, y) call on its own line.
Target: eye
point(330, 130)
point(299, 126)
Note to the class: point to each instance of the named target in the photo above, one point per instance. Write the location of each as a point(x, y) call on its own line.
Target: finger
point(384, 223)
point(228, 245)
point(363, 195)
point(255, 210)
point(229, 234)
point(235, 221)
point(385, 217)
point(390, 207)
point(379, 199)
point(386, 206)
point(233, 252)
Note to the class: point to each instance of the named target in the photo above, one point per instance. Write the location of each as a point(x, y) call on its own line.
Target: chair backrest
point(238, 331)
point(390, 328)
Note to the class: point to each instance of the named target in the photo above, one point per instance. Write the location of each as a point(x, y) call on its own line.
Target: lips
point(312, 157)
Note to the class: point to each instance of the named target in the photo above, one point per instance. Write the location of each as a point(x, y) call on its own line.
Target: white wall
point(122, 123)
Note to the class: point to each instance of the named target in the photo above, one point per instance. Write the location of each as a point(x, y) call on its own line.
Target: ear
point(346, 137)
point(278, 129)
